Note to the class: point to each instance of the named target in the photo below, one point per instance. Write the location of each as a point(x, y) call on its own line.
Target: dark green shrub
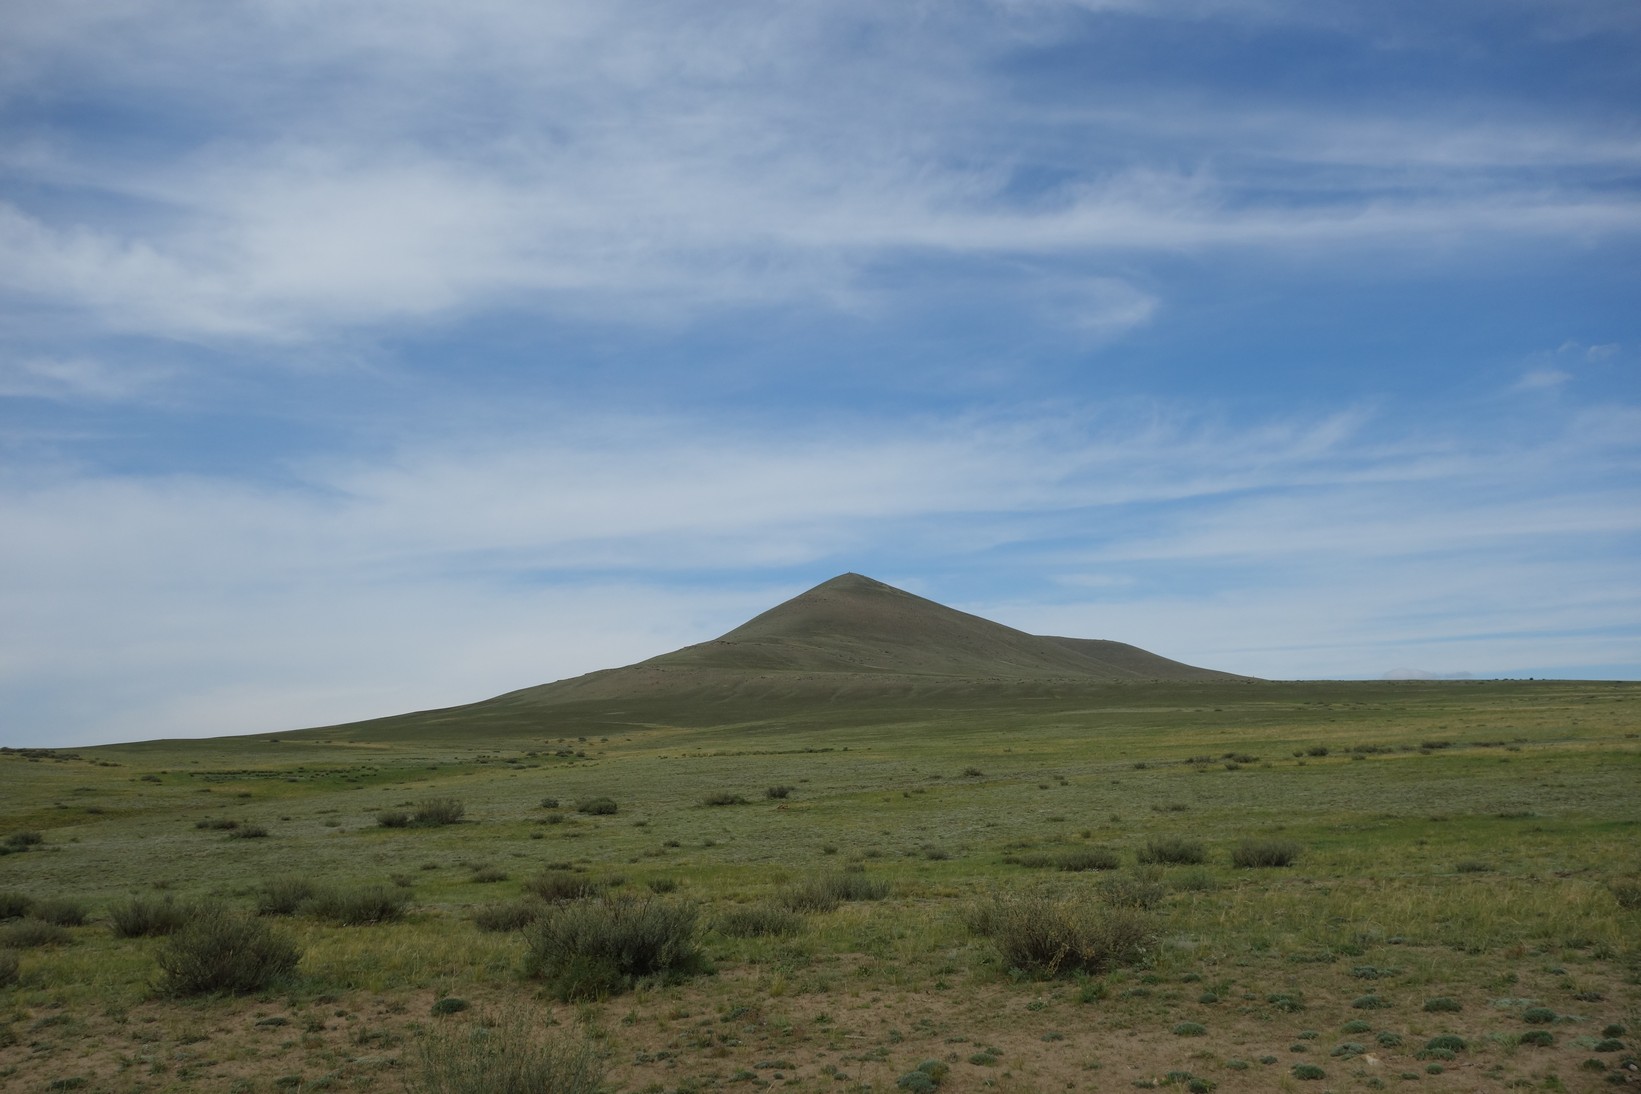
point(9, 975)
point(393, 818)
point(220, 824)
point(1251, 853)
point(759, 920)
point(30, 933)
point(436, 812)
point(1287, 1002)
point(1073, 860)
point(1441, 1004)
point(284, 895)
point(662, 884)
point(22, 841)
point(61, 911)
point(1541, 1037)
point(1613, 1030)
point(549, 803)
point(558, 887)
point(723, 797)
point(358, 907)
point(143, 918)
point(513, 916)
point(1048, 937)
point(924, 1078)
point(1175, 850)
point(14, 905)
point(825, 893)
point(1450, 1042)
point(1356, 1025)
point(1308, 1071)
point(510, 1057)
point(489, 875)
point(777, 792)
point(249, 831)
point(1190, 1029)
point(1388, 1039)
point(222, 951)
point(1370, 1002)
point(597, 807)
point(1538, 1016)
point(592, 948)
point(447, 1006)
point(1611, 1044)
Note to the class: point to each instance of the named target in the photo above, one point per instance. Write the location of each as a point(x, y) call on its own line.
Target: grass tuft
point(509, 1057)
point(358, 907)
point(1251, 853)
point(437, 812)
point(140, 917)
point(759, 920)
point(1174, 850)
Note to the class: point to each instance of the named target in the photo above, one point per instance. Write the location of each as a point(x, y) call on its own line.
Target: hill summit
point(853, 634)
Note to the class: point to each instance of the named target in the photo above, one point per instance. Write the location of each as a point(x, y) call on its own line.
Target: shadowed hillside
point(846, 641)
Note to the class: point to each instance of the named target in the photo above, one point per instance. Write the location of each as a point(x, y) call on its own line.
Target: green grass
point(1537, 782)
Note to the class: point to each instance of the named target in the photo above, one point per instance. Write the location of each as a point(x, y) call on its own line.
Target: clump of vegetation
point(284, 895)
point(1543, 1038)
point(1442, 1004)
point(9, 969)
point(15, 905)
point(32, 933)
point(559, 887)
point(589, 949)
point(1175, 850)
point(509, 1057)
point(1251, 853)
point(1143, 888)
point(723, 797)
point(1050, 937)
point(1190, 1029)
point(779, 792)
point(140, 917)
point(437, 812)
point(220, 951)
point(18, 842)
point(447, 1006)
point(513, 916)
point(597, 807)
point(1074, 859)
point(393, 818)
point(358, 907)
point(1627, 891)
point(825, 893)
point(249, 831)
point(924, 1078)
point(1370, 1002)
point(1308, 1072)
point(1447, 1042)
point(61, 911)
point(759, 920)
point(1538, 1016)
point(489, 875)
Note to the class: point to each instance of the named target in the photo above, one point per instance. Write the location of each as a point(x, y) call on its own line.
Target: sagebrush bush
point(825, 893)
point(60, 910)
point(393, 818)
point(22, 841)
point(776, 792)
point(140, 917)
point(1252, 853)
point(759, 920)
point(589, 949)
point(15, 905)
point(222, 951)
point(284, 895)
point(1173, 849)
point(506, 1057)
point(358, 907)
point(439, 811)
point(597, 807)
point(30, 933)
point(1045, 936)
point(558, 887)
point(9, 965)
point(511, 916)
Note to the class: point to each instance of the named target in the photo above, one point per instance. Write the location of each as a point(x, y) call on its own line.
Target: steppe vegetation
point(1232, 886)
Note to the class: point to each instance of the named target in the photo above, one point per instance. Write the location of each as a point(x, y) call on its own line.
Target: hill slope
point(853, 633)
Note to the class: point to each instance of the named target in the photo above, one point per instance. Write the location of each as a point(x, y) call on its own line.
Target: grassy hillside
point(1456, 845)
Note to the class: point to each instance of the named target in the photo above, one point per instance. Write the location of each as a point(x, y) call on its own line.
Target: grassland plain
point(1462, 852)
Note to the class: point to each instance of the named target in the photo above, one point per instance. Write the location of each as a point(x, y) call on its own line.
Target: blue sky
point(359, 357)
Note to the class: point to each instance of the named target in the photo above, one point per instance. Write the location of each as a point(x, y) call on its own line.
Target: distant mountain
point(855, 633)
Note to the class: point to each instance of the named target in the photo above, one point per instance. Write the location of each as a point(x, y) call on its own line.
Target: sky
point(362, 357)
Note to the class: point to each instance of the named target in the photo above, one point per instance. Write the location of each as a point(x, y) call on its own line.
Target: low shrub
point(220, 951)
point(558, 887)
point(506, 1057)
point(22, 841)
point(924, 1078)
point(1044, 936)
point(1073, 860)
point(1447, 1042)
point(15, 905)
point(1251, 853)
point(589, 949)
point(1308, 1072)
point(723, 797)
point(61, 911)
point(1627, 891)
point(358, 907)
point(662, 884)
point(436, 812)
point(284, 895)
point(1370, 1002)
point(489, 875)
point(759, 920)
point(777, 792)
point(1543, 1038)
point(825, 893)
point(140, 917)
point(1174, 850)
point(31, 933)
point(1141, 889)
point(249, 831)
point(1538, 1016)
point(597, 807)
point(1190, 1029)
point(393, 818)
point(512, 916)
point(1443, 1004)
point(9, 965)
